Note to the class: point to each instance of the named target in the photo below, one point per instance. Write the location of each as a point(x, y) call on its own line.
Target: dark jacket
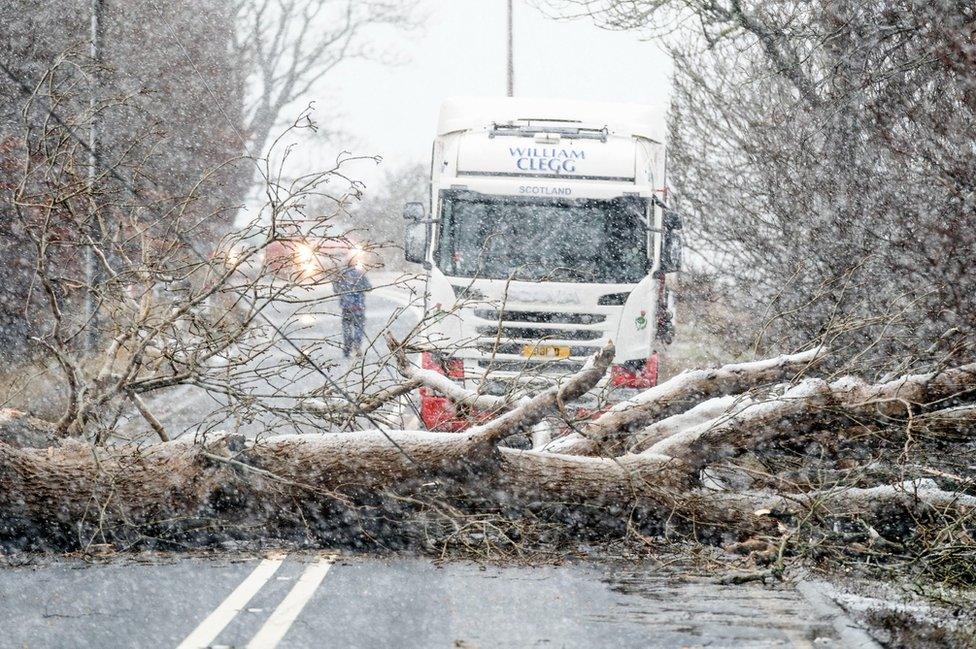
point(350, 286)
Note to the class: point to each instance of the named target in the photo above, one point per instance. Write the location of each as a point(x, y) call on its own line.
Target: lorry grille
point(533, 333)
point(540, 317)
point(503, 334)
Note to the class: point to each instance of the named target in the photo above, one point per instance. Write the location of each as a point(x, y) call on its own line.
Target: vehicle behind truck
point(547, 233)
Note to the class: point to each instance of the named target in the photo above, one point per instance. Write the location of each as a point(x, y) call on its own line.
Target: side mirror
point(671, 250)
point(672, 220)
point(415, 242)
point(413, 212)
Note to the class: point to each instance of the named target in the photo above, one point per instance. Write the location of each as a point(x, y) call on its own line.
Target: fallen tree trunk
point(377, 458)
point(611, 480)
point(124, 483)
point(807, 404)
point(706, 412)
point(608, 433)
point(77, 493)
point(79, 490)
point(913, 495)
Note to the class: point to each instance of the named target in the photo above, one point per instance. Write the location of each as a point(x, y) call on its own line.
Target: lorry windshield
point(543, 239)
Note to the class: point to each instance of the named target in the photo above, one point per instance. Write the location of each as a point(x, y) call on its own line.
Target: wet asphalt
point(376, 602)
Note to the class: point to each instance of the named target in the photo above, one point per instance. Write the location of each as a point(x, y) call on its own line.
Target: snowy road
point(188, 409)
point(332, 600)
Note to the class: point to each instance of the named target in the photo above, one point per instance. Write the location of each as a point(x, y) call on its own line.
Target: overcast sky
point(392, 111)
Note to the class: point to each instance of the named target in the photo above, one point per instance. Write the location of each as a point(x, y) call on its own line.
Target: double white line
point(275, 628)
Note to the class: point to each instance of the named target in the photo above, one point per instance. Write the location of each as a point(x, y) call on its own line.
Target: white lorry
point(547, 234)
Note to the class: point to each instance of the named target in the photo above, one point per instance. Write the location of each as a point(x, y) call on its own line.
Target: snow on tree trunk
point(72, 488)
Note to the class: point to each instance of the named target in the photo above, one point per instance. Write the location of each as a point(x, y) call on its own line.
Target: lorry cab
point(546, 234)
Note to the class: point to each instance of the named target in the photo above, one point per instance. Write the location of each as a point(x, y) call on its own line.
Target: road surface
point(187, 410)
point(324, 599)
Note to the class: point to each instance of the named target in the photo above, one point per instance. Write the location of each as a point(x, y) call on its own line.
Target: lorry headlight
point(304, 254)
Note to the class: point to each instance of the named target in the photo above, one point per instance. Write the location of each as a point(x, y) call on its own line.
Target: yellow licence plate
point(545, 351)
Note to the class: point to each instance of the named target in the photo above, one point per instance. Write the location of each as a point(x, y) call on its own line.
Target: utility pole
point(511, 59)
point(92, 269)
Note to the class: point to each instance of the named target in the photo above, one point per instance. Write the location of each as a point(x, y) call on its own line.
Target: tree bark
point(129, 484)
point(78, 491)
point(608, 432)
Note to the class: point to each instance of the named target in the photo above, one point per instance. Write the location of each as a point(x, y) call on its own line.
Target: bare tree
point(170, 311)
point(182, 95)
point(815, 151)
point(292, 45)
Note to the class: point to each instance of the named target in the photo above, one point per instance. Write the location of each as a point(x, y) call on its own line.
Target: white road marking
point(281, 619)
point(208, 630)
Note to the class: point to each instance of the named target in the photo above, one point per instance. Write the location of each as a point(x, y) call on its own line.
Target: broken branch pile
point(746, 451)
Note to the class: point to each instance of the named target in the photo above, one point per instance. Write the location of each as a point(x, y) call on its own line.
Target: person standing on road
point(351, 287)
